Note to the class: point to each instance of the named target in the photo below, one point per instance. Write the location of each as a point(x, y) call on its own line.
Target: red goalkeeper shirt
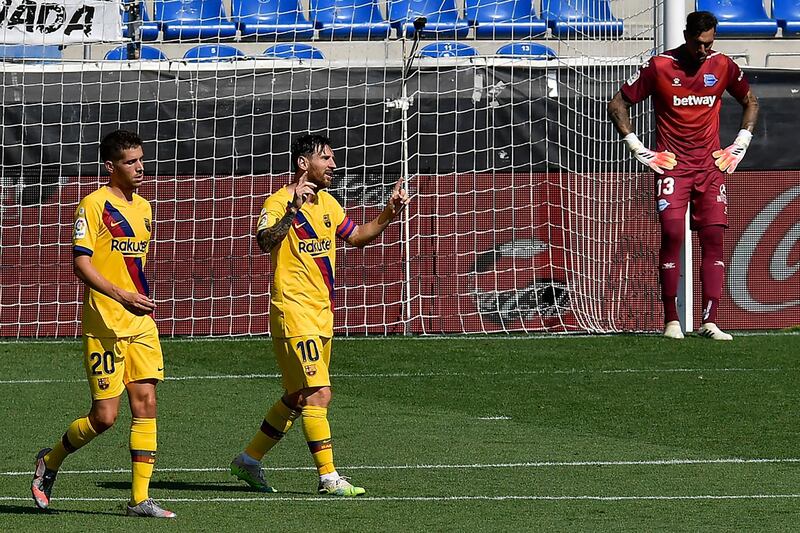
point(687, 101)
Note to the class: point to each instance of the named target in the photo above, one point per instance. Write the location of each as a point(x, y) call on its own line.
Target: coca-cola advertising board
point(762, 252)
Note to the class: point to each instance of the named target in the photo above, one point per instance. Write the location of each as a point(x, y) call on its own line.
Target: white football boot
point(673, 330)
point(709, 330)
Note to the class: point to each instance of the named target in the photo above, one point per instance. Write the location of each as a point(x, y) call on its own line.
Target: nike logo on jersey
point(117, 223)
point(693, 100)
point(298, 225)
point(159, 369)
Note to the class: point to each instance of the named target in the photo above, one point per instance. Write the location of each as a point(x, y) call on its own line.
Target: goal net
point(526, 216)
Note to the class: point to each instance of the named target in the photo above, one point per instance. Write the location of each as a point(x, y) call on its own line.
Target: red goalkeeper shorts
point(704, 188)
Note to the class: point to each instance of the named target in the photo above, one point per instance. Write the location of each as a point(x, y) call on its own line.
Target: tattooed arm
point(268, 238)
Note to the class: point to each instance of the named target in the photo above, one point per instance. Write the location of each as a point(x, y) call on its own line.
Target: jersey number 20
point(106, 359)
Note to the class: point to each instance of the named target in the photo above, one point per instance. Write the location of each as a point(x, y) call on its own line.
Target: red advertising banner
point(485, 253)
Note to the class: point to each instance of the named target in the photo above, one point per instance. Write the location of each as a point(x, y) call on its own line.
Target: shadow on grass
point(206, 486)
point(30, 510)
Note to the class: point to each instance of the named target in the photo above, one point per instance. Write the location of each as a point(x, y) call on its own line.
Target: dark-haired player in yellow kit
point(298, 227)
point(122, 352)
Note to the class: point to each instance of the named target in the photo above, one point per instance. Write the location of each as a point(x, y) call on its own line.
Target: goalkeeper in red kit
point(686, 85)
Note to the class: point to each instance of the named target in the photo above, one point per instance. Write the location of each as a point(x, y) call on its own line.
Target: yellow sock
point(78, 434)
point(318, 436)
point(275, 425)
point(143, 457)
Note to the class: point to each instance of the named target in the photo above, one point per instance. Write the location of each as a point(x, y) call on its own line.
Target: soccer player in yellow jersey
point(121, 350)
point(298, 227)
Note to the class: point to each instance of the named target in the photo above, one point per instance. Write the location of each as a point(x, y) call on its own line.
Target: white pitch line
point(328, 499)
point(437, 374)
point(570, 336)
point(533, 464)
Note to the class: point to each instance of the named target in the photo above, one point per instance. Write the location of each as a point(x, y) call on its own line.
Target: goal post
point(527, 214)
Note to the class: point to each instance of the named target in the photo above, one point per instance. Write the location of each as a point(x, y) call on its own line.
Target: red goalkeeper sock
point(712, 269)
point(669, 265)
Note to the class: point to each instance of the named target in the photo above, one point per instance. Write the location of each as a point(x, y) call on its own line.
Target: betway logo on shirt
point(129, 247)
point(693, 100)
point(314, 247)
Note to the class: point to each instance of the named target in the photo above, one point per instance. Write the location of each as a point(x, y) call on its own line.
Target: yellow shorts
point(112, 363)
point(304, 361)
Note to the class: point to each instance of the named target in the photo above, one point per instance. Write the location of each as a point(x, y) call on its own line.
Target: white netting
point(526, 213)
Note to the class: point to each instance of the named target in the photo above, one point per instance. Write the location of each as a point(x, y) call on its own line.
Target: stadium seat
point(442, 18)
point(37, 52)
point(787, 14)
point(527, 50)
point(447, 49)
point(213, 52)
point(193, 19)
point(147, 53)
point(348, 19)
point(744, 18)
point(504, 19)
point(271, 19)
point(581, 18)
point(293, 51)
point(149, 28)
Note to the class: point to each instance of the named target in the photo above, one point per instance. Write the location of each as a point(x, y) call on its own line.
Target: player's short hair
point(114, 143)
point(307, 145)
point(699, 22)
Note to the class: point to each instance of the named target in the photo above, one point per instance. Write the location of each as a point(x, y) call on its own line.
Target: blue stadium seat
point(581, 18)
point(743, 18)
point(787, 13)
point(37, 52)
point(348, 19)
point(212, 52)
point(293, 51)
point(193, 19)
point(149, 28)
point(504, 19)
point(447, 49)
point(147, 53)
point(527, 50)
point(443, 21)
point(272, 19)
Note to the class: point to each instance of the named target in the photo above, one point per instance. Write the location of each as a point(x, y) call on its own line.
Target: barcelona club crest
point(310, 369)
point(102, 383)
point(327, 220)
point(147, 224)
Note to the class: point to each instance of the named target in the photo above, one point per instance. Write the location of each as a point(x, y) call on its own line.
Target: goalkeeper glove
point(658, 161)
point(729, 158)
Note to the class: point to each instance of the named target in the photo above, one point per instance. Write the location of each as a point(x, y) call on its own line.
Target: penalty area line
point(588, 497)
point(475, 466)
point(400, 375)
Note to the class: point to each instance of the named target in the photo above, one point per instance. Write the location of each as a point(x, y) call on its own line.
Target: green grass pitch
point(617, 433)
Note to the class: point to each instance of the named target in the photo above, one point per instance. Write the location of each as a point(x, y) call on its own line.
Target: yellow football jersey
point(303, 264)
point(116, 235)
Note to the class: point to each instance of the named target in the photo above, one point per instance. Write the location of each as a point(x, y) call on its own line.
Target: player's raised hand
point(399, 198)
point(303, 190)
point(729, 158)
point(658, 161)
